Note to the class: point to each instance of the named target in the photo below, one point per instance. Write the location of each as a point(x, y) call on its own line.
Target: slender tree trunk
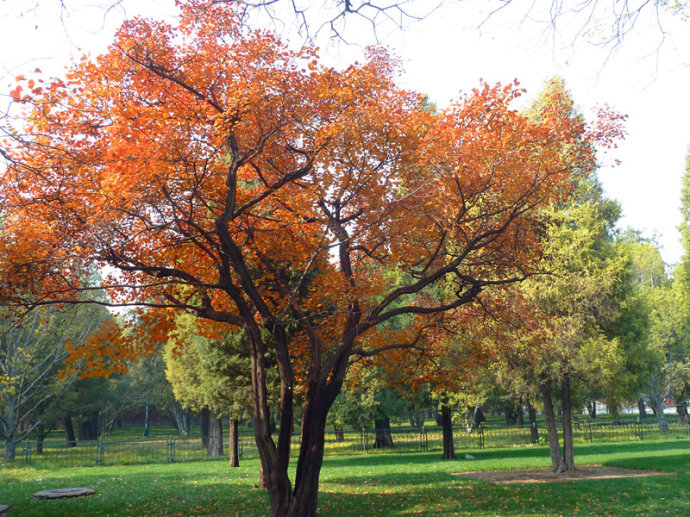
point(534, 430)
point(384, 438)
point(448, 446)
point(69, 431)
point(41, 434)
point(147, 422)
point(215, 436)
point(682, 410)
point(568, 456)
point(552, 431)
point(339, 434)
point(641, 409)
point(234, 443)
point(204, 419)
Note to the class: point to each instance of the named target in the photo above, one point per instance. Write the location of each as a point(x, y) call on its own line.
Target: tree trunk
point(519, 416)
point(682, 410)
point(437, 417)
point(384, 438)
point(88, 427)
point(534, 430)
point(568, 456)
point(339, 434)
point(204, 418)
point(478, 416)
point(510, 415)
point(552, 431)
point(180, 417)
point(592, 408)
point(147, 422)
point(318, 401)
point(10, 450)
point(448, 446)
point(215, 436)
point(613, 407)
point(641, 409)
point(69, 431)
point(234, 443)
point(262, 477)
point(656, 401)
point(41, 434)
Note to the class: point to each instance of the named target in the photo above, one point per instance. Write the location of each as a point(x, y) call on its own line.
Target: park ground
point(374, 485)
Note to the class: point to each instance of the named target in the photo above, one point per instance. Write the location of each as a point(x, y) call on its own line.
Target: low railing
point(105, 451)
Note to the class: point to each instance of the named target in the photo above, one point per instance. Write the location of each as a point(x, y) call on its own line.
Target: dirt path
point(547, 475)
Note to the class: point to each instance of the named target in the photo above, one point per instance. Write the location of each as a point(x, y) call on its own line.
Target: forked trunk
point(551, 430)
point(448, 446)
point(568, 455)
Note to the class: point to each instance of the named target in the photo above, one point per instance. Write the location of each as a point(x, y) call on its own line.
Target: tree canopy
point(208, 168)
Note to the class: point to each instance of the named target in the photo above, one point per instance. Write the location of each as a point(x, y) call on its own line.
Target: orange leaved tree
point(209, 169)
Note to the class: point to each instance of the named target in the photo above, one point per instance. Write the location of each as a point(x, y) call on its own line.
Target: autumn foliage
point(207, 168)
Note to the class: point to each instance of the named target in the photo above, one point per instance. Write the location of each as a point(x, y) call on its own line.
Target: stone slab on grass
point(4, 507)
point(60, 493)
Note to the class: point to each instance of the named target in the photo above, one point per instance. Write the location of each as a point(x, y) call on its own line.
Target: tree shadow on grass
point(205, 489)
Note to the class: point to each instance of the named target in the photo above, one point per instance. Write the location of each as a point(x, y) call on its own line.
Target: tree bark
point(384, 438)
point(234, 443)
point(10, 450)
point(204, 418)
point(613, 407)
point(180, 417)
point(41, 433)
point(568, 456)
point(69, 431)
point(339, 434)
point(682, 410)
point(88, 427)
point(552, 431)
point(448, 446)
point(657, 403)
point(215, 436)
point(534, 430)
point(641, 409)
point(303, 503)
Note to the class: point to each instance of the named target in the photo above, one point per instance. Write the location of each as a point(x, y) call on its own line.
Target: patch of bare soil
point(547, 475)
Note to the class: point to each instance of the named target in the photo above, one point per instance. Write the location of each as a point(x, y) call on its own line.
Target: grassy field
point(375, 485)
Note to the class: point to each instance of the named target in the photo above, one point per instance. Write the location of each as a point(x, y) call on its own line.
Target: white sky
point(446, 53)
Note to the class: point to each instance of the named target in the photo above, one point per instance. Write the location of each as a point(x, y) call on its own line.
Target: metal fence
point(107, 451)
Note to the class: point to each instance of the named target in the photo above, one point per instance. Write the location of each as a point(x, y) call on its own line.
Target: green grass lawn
point(374, 485)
